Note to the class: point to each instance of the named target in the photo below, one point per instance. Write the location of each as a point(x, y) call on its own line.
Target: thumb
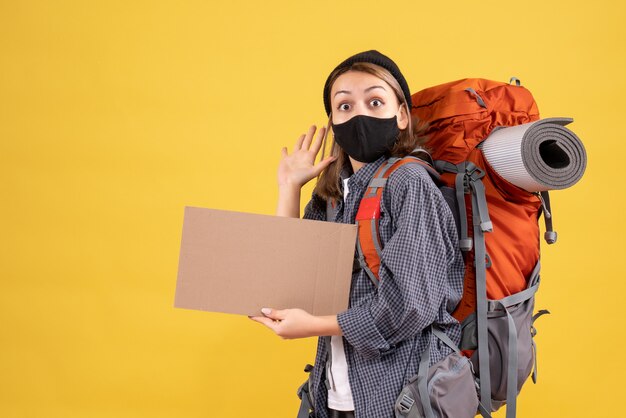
point(273, 313)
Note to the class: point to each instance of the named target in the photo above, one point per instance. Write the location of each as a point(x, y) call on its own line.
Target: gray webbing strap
point(465, 243)
point(388, 165)
point(364, 265)
point(446, 340)
point(331, 212)
point(479, 99)
point(380, 180)
point(534, 374)
point(517, 81)
point(514, 299)
point(460, 186)
point(305, 405)
point(550, 235)
point(422, 382)
point(482, 411)
point(533, 332)
point(377, 182)
point(481, 311)
point(444, 166)
point(540, 313)
point(511, 378)
point(481, 199)
point(474, 174)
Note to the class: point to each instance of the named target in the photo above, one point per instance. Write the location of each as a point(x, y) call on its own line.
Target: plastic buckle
point(486, 226)
point(405, 404)
point(465, 244)
point(475, 173)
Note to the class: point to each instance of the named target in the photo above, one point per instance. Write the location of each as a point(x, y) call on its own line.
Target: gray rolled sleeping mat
point(537, 156)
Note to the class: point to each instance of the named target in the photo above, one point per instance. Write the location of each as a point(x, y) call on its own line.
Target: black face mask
point(366, 138)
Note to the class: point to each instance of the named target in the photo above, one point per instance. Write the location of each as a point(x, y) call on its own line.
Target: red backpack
point(498, 229)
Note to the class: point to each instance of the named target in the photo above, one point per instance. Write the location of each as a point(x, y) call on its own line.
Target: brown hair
point(409, 141)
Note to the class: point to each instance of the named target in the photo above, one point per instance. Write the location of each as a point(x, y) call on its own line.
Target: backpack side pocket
point(512, 351)
point(446, 389)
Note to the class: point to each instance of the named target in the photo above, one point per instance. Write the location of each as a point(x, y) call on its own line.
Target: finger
point(319, 167)
point(318, 141)
point(283, 152)
point(274, 313)
point(298, 143)
point(268, 322)
point(309, 137)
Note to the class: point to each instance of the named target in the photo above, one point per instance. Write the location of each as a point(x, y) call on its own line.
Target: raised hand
point(298, 168)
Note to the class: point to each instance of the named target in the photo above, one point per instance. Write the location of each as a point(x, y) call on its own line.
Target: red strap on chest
point(368, 216)
point(369, 208)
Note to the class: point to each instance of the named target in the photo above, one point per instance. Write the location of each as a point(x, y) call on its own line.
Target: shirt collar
point(363, 175)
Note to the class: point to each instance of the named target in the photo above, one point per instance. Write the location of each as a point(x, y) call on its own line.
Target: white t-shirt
point(339, 394)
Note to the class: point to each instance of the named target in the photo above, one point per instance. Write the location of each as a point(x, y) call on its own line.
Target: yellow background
point(114, 115)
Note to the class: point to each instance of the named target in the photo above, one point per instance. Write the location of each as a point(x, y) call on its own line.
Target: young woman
point(376, 344)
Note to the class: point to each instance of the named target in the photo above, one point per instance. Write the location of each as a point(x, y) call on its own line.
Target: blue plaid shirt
point(385, 328)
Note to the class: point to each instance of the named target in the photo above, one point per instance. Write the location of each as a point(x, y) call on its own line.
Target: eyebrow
point(364, 91)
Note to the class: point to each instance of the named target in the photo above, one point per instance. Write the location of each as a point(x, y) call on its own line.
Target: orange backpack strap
point(369, 247)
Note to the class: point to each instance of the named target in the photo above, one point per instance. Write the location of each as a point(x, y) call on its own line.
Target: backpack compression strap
point(369, 247)
point(468, 179)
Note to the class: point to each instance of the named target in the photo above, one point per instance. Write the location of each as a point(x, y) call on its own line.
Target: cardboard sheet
point(238, 263)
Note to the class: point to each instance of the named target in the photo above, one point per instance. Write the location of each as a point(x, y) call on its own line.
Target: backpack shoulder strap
point(369, 247)
point(331, 210)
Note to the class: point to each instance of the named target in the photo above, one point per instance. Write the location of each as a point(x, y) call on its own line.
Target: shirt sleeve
point(315, 209)
point(416, 263)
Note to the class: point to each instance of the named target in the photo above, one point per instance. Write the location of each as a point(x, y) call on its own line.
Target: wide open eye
point(343, 106)
point(376, 103)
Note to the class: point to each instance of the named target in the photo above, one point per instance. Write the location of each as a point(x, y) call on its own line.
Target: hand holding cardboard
point(297, 323)
point(237, 263)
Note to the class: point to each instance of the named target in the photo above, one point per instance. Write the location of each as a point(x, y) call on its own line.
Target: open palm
point(299, 167)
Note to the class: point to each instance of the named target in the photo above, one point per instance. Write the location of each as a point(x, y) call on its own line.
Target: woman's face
point(359, 93)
